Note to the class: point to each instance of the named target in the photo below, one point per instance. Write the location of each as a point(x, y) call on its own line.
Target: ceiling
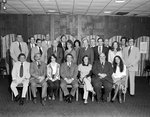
point(83, 7)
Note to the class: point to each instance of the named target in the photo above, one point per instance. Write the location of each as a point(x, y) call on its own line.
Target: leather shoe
point(43, 102)
point(21, 102)
point(104, 101)
point(132, 95)
point(17, 98)
point(34, 101)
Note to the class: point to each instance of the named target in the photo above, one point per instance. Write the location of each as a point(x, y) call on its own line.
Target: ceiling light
point(120, 1)
point(51, 11)
point(107, 12)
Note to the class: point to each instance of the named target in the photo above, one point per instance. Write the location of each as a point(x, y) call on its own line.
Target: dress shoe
point(85, 102)
point(104, 100)
point(21, 102)
point(43, 102)
point(17, 98)
point(66, 98)
point(132, 95)
point(34, 100)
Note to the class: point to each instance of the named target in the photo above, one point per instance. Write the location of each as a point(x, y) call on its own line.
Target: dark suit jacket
point(67, 72)
point(50, 51)
point(107, 69)
point(29, 55)
point(36, 72)
point(96, 54)
point(83, 52)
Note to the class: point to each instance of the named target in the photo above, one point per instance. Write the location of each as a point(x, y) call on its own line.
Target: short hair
point(49, 60)
point(130, 39)
point(83, 59)
point(21, 54)
point(112, 47)
point(36, 55)
point(63, 36)
point(77, 41)
point(100, 38)
point(123, 38)
point(70, 42)
point(38, 40)
point(67, 56)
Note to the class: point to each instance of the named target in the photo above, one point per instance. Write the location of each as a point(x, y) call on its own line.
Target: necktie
point(99, 49)
point(129, 51)
point(21, 70)
point(40, 50)
point(55, 52)
point(39, 65)
point(20, 47)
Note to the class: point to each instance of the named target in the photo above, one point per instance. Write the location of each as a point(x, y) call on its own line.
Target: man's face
point(19, 38)
point(55, 43)
point(22, 59)
point(32, 40)
point(39, 43)
point(131, 42)
point(93, 42)
point(47, 38)
point(100, 42)
point(123, 41)
point(106, 42)
point(69, 58)
point(85, 43)
point(64, 39)
point(37, 57)
point(102, 57)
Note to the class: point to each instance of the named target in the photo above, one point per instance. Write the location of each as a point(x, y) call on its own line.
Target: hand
point(15, 81)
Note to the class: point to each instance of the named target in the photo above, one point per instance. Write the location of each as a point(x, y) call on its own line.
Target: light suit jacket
point(132, 59)
point(16, 70)
point(15, 51)
point(35, 50)
point(44, 44)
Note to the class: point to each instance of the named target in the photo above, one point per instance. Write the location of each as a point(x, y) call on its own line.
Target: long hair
point(71, 43)
point(112, 47)
point(83, 60)
point(121, 65)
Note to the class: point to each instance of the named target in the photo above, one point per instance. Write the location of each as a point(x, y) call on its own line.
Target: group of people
point(55, 64)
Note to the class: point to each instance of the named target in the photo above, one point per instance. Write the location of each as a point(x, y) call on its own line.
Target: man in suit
point(38, 74)
point(123, 41)
point(56, 51)
point(39, 49)
point(131, 56)
point(69, 72)
point(46, 43)
point(106, 44)
point(20, 75)
point(102, 76)
point(100, 49)
point(18, 47)
point(85, 50)
point(31, 44)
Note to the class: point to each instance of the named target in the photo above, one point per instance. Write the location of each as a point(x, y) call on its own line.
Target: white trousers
point(87, 87)
point(131, 76)
point(15, 84)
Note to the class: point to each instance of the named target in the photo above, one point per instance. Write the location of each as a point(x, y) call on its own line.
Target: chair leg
point(92, 98)
point(12, 96)
point(60, 95)
point(124, 96)
point(30, 92)
point(77, 92)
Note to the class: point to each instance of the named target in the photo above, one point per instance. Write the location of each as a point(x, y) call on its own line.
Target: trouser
point(34, 82)
point(74, 84)
point(87, 87)
point(131, 76)
point(53, 87)
point(15, 84)
point(98, 83)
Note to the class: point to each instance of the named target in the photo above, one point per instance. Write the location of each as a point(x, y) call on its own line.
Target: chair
point(21, 86)
point(3, 66)
point(147, 69)
point(61, 94)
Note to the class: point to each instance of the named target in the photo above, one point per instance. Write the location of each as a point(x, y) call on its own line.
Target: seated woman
point(119, 78)
point(85, 77)
point(53, 77)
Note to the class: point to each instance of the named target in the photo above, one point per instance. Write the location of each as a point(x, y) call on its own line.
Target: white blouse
point(119, 74)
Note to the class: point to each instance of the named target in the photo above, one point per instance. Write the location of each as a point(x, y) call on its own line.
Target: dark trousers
point(53, 88)
point(97, 85)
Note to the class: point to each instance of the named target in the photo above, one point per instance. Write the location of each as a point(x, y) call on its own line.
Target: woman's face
point(117, 60)
point(115, 45)
point(68, 45)
point(53, 59)
point(85, 60)
point(77, 44)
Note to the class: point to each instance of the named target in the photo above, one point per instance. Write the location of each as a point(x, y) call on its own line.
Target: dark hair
point(112, 47)
point(38, 40)
point(49, 60)
point(36, 54)
point(62, 37)
point(100, 38)
point(21, 54)
point(130, 39)
point(67, 56)
point(70, 42)
point(121, 65)
point(83, 60)
point(77, 41)
point(123, 38)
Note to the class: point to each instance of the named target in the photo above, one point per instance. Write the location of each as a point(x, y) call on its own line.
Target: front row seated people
point(38, 74)
point(20, 75)
point(85, 77)
point(69, 72)
point(102, 76)
point(119, 77)
point(53, 78)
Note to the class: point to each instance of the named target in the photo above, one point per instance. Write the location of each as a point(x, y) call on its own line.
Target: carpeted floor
point(138, 106)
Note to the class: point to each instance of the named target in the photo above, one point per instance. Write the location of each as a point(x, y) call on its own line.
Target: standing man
point(31, 44)
point(131, 56)
point(46, 43)
point(102, 76)
point(100, 49)
point(39, 49)
point(20, 75)
point(106, 44)
point(69, 72)
point(123, 41)
point(18, 47)
point(56, 51)
point(38, 74)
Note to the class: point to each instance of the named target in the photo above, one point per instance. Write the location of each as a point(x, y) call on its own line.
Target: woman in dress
point(53, 77)
point(70, 50)
point(115, 50)
point(119, 77)
point(85, 77)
